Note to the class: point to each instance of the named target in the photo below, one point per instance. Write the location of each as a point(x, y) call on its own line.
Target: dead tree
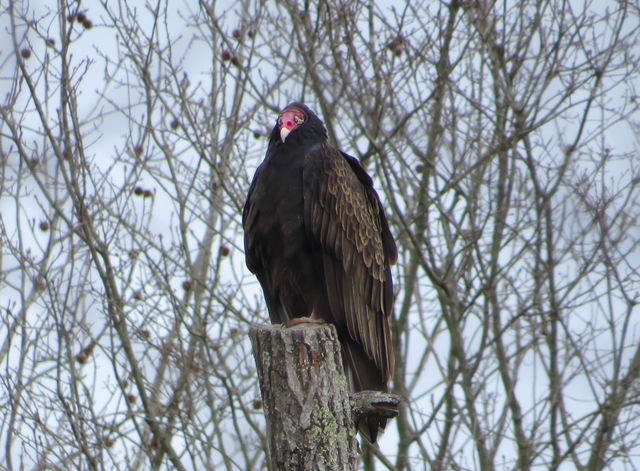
point(309, 414)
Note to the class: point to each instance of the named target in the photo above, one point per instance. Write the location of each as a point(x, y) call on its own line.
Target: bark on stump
point(305, 397)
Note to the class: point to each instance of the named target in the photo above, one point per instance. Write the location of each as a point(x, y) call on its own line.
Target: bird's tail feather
point(363, 375)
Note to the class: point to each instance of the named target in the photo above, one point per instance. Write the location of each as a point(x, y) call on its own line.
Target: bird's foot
point(302, 320)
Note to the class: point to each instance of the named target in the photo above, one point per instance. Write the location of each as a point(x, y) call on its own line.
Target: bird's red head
point(290, 119)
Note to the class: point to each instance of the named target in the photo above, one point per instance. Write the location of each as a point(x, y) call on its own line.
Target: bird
point(317, 238)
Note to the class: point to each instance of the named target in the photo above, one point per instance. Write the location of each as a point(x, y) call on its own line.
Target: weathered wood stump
point(306, 401)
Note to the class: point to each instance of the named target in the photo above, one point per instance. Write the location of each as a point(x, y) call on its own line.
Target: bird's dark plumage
point(317, 238)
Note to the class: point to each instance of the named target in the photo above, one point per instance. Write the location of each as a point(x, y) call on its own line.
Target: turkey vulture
point(316, 237)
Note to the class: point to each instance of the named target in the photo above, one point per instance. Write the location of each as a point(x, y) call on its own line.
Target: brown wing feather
point(344, 215)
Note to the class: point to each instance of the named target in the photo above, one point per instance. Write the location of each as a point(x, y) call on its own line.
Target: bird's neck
point(295, 144)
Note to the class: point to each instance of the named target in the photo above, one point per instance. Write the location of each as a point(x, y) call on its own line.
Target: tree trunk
point(305, 397)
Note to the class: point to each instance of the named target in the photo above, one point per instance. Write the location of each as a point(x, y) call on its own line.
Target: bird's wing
point(342, 213)
point(248, 221)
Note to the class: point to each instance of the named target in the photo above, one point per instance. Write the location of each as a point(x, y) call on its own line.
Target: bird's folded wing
point(342, 213)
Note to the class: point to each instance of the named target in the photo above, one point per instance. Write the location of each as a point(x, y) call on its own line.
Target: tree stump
point(306, 401)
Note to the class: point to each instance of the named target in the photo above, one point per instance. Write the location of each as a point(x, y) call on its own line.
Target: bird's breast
point(280, 205)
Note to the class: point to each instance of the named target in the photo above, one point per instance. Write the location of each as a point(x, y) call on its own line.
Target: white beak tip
point(284, 132)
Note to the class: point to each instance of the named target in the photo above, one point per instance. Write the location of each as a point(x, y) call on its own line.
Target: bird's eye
point(298, 120)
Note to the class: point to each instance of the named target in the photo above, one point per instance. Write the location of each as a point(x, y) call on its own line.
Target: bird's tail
point(363, 375)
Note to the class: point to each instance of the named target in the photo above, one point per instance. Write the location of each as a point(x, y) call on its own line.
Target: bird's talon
point(302, 320)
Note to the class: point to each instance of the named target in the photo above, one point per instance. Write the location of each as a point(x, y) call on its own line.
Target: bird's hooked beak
point(287, 122)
